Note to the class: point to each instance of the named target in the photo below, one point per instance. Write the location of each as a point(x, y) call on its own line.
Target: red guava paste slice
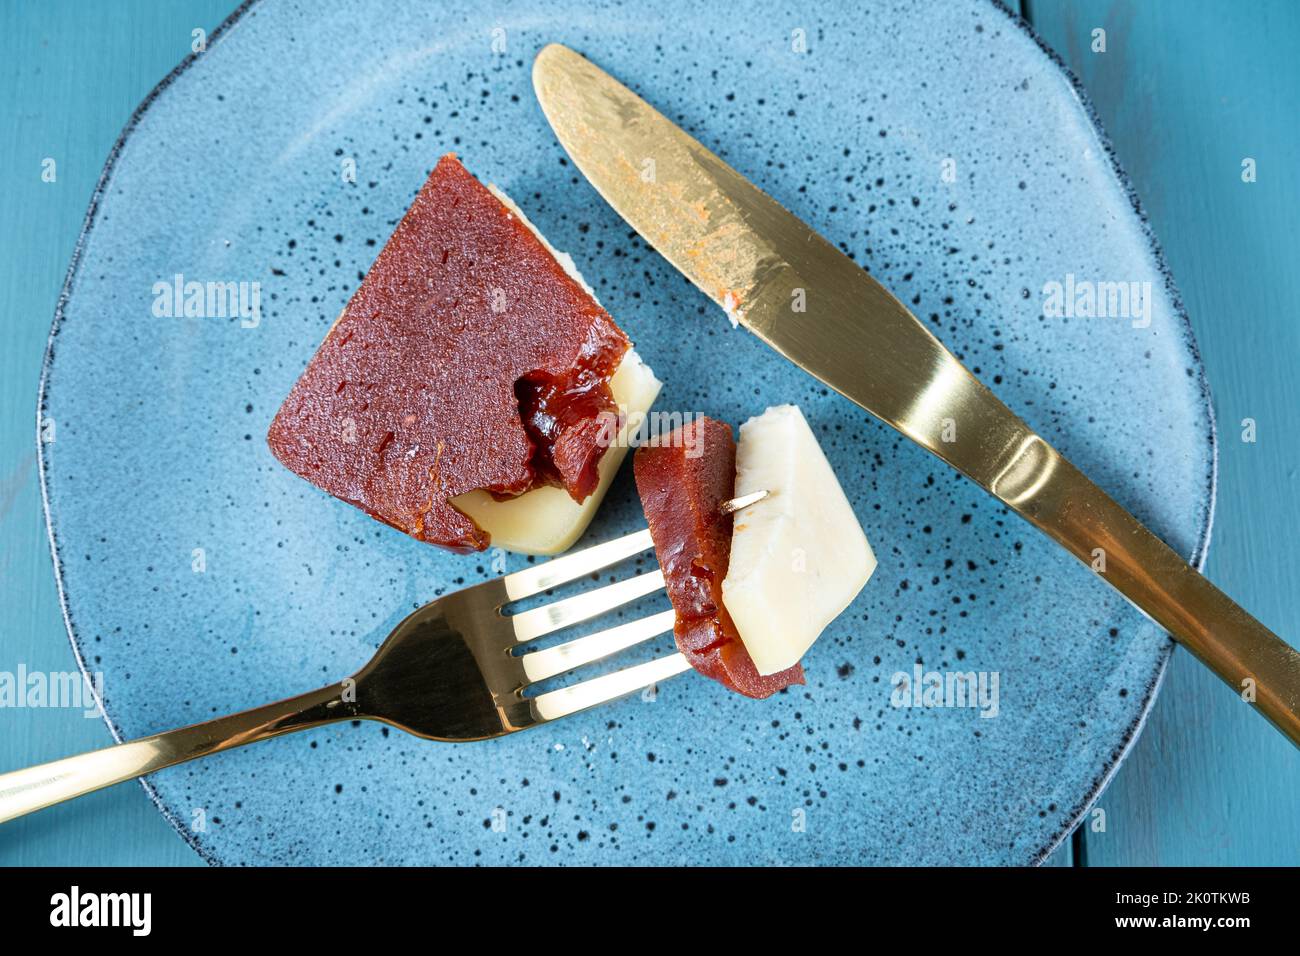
point(468, 359)
point(683, 480)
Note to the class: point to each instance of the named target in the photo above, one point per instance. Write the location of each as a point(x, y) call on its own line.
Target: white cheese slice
point(799, 556)
point(546, 520)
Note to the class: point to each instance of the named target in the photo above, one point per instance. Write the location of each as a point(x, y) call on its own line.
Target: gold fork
point(449, 671)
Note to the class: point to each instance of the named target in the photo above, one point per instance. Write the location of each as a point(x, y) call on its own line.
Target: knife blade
point(792, 288)
point(768, 270)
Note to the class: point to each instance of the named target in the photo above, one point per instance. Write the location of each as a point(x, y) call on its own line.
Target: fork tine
point(557, 571)
point(599, 690)
point(539, 621)
point(550, 661)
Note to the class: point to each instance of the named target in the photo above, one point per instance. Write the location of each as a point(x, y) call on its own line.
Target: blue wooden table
point(1187, 89)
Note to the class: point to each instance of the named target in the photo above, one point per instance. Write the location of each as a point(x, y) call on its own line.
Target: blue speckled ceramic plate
point(236, 170)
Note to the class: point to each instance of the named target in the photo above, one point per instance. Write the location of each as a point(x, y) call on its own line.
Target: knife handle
point(1044, 487)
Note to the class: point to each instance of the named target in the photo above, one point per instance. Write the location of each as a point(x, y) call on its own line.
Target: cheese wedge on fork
point(798, 556)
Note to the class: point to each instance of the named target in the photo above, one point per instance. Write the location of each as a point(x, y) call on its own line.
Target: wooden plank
point(72, 75)
point(1187, 89)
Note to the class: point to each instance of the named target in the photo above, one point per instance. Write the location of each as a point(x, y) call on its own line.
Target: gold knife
point(802, 296)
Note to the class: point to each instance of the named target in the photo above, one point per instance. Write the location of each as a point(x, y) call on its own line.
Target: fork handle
point(1053, 494)
point(25, 791)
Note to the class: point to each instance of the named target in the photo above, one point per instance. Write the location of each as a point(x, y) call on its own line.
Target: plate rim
point(1200, 549)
